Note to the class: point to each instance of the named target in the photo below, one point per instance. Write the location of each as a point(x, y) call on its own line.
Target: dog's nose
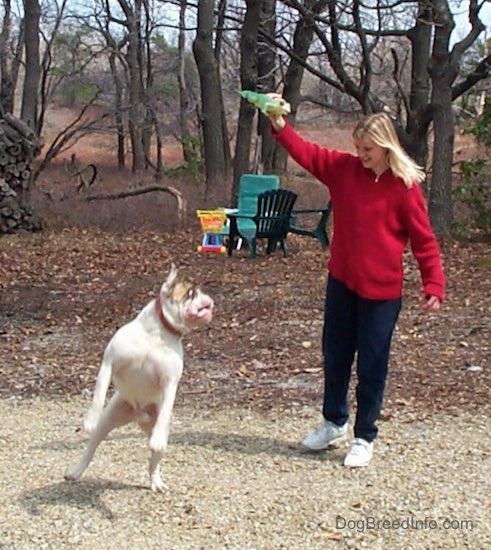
point(205, 309)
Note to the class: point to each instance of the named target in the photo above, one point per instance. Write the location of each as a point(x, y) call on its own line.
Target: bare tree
point(118, 101)
point(351, 38)
point(443, 70)
point(183, 91)
point(302, 40)
point(137, 112)
point(10, 58)
point(266, 69)
point(29, 110)
point(212, 122)
point(248, 79)
point(49, 83)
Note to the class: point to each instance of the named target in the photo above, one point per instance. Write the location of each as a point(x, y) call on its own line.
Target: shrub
point(472, 200)
point(482, 129)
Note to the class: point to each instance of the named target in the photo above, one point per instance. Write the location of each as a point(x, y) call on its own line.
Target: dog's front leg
point(160, 435)
point(156, 483)
point(101, 387)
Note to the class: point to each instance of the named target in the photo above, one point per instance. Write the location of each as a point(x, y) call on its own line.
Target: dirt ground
point(237, 479)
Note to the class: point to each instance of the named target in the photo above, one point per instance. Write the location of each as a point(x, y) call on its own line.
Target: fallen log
point(181, 201)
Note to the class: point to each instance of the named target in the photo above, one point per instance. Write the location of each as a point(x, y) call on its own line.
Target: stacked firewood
point(18, 147)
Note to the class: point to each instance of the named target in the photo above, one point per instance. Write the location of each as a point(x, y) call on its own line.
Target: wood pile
point(18, 147)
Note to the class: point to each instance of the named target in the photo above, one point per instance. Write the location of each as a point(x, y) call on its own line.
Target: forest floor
point(64, 291)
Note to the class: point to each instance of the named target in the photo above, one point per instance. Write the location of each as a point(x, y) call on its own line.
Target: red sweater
point(372, 222)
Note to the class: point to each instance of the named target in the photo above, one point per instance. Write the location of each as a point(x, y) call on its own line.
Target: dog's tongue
point(205, 313)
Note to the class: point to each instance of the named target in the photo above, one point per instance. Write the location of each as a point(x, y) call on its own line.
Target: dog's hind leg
point(116, 414)
point(100, 391)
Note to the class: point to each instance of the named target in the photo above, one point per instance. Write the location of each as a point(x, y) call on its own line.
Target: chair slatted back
point(273, 212)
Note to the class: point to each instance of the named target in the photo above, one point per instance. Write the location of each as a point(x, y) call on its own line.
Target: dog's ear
point(171, 278)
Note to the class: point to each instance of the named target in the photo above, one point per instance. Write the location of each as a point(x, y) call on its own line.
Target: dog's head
point(184, 304)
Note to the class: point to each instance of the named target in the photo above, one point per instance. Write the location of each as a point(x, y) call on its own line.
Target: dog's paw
point(72, 475)
point(157, 485)
point(158, 443)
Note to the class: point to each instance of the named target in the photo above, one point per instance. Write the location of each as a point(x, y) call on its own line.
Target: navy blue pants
point(354, 324)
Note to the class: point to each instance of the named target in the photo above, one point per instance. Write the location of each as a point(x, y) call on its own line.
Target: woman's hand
point(432, 303)
point(277, 121)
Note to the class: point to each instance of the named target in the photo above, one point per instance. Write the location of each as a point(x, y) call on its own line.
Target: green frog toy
point(266, 104)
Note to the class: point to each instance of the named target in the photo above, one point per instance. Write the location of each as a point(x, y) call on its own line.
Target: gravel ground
point(237, 479)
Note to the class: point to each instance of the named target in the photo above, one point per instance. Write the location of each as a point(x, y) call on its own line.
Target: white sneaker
point(325, 435)
point(360, 453)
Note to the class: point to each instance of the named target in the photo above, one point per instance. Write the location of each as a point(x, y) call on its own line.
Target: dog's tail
point(100, 391)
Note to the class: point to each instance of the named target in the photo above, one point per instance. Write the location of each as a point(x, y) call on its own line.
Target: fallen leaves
point(63, 294)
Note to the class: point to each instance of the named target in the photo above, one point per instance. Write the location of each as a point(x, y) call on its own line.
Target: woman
point(378, 207)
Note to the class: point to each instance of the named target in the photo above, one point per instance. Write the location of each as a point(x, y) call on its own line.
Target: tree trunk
point(440, 203)
point(187, 149)
point(32, 70)
point(442, 75)
point(416, 139)
point(302, 40)
point(7, 86)
point(146, 68)
point(211, 111)
point(222, 5)
point(118, 110)
point(266, 75)
point(136, 108)
point(248, 80)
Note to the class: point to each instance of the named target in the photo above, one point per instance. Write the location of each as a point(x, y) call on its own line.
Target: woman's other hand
point(432, 303)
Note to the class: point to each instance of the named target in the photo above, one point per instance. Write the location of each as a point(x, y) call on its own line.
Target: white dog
point(144, 360)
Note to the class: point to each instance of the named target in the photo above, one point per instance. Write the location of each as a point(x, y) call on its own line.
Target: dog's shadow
point(88, 493)
point(83, 494)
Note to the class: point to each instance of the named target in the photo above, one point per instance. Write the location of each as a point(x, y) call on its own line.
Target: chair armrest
point(318, 231)
point(239, 216)
point(256, 217)
point(309, 210)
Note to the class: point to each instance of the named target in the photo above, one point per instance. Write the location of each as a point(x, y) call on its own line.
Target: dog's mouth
point(204, 312)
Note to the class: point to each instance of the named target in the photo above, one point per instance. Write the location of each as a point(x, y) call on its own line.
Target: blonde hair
point(380, 128)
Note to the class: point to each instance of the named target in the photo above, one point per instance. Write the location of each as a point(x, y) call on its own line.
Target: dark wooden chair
point(271, 222)
point(318, 228)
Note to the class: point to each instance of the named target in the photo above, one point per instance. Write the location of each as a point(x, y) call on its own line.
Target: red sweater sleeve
point(319, 161)
point(423, 243)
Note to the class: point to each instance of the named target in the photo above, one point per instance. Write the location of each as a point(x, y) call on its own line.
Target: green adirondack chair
point(250, 187)
point(270, 221)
